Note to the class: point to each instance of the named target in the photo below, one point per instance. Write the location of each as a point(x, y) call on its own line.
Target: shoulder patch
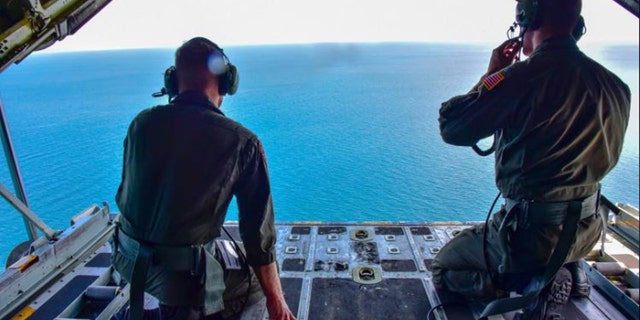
point(493, 80)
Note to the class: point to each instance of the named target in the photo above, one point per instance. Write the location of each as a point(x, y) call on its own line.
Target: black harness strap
point(144, 255)
point(565, 241)
point(138, 281)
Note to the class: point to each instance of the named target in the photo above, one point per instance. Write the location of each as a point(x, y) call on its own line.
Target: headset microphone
point(159, 94)
point(512, 30)
point(170, 84)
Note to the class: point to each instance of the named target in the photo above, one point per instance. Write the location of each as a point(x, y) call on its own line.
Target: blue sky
point(167, 23)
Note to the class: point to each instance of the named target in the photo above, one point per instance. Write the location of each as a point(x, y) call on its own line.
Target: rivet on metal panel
point(291, 250)
point(390, 237)
point(294, 237)
point(332, 250)
point(429, 237)
point(393, 249)
point(333, 236)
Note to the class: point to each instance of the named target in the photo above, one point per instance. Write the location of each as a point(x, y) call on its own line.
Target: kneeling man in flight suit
point(559, 120)
point(183, 162)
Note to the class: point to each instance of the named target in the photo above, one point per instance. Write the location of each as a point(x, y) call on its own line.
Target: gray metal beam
point(14, 170)
point(42, 26)
point(31, 217)
point(632, 6)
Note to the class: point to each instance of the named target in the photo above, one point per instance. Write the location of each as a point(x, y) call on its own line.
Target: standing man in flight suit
point(183, 163)
point(559, 120)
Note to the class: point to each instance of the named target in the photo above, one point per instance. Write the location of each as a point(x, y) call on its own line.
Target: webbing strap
point(565, 241)
point(138, 281)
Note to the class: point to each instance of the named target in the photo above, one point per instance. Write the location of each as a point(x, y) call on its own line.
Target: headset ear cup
point(580, 29)
point(527, 14)
point(535, 20)
point(521, 14)
point(229, 81)
point(171, 82)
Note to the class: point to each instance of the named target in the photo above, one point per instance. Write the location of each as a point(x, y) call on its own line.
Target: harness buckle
point(198, 260)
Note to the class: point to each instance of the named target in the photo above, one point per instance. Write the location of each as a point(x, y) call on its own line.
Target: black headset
point(527, 14)
point(528, 17)
point(580, 29)
point(228, 80)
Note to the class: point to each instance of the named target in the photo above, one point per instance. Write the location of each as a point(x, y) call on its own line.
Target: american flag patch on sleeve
point(493, 80)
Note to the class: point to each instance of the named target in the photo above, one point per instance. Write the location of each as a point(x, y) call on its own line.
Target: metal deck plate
point(319, 264)
point(390, 299)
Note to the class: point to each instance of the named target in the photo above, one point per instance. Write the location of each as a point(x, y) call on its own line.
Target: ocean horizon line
point(52, 50)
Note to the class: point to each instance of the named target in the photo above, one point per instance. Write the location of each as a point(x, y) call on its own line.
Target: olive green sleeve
point(255, 207)
point(466, 119)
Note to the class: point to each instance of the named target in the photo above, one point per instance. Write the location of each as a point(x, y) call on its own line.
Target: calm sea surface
point(350, 130)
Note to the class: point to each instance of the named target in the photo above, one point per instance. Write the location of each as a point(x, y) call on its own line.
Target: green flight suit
point(183, 163)
point(560, 120)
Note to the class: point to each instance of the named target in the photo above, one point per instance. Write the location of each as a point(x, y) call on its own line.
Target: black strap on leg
point(559, 255)
point(138, 281)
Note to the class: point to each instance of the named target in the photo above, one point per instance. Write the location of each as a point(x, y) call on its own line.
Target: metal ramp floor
point(338, 271)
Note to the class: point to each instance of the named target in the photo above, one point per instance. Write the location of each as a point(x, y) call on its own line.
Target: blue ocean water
point(350, 130)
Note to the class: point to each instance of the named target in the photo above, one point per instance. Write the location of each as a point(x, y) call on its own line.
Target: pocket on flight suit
point(533, 245)
point(588, 235)
point(242, 287)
